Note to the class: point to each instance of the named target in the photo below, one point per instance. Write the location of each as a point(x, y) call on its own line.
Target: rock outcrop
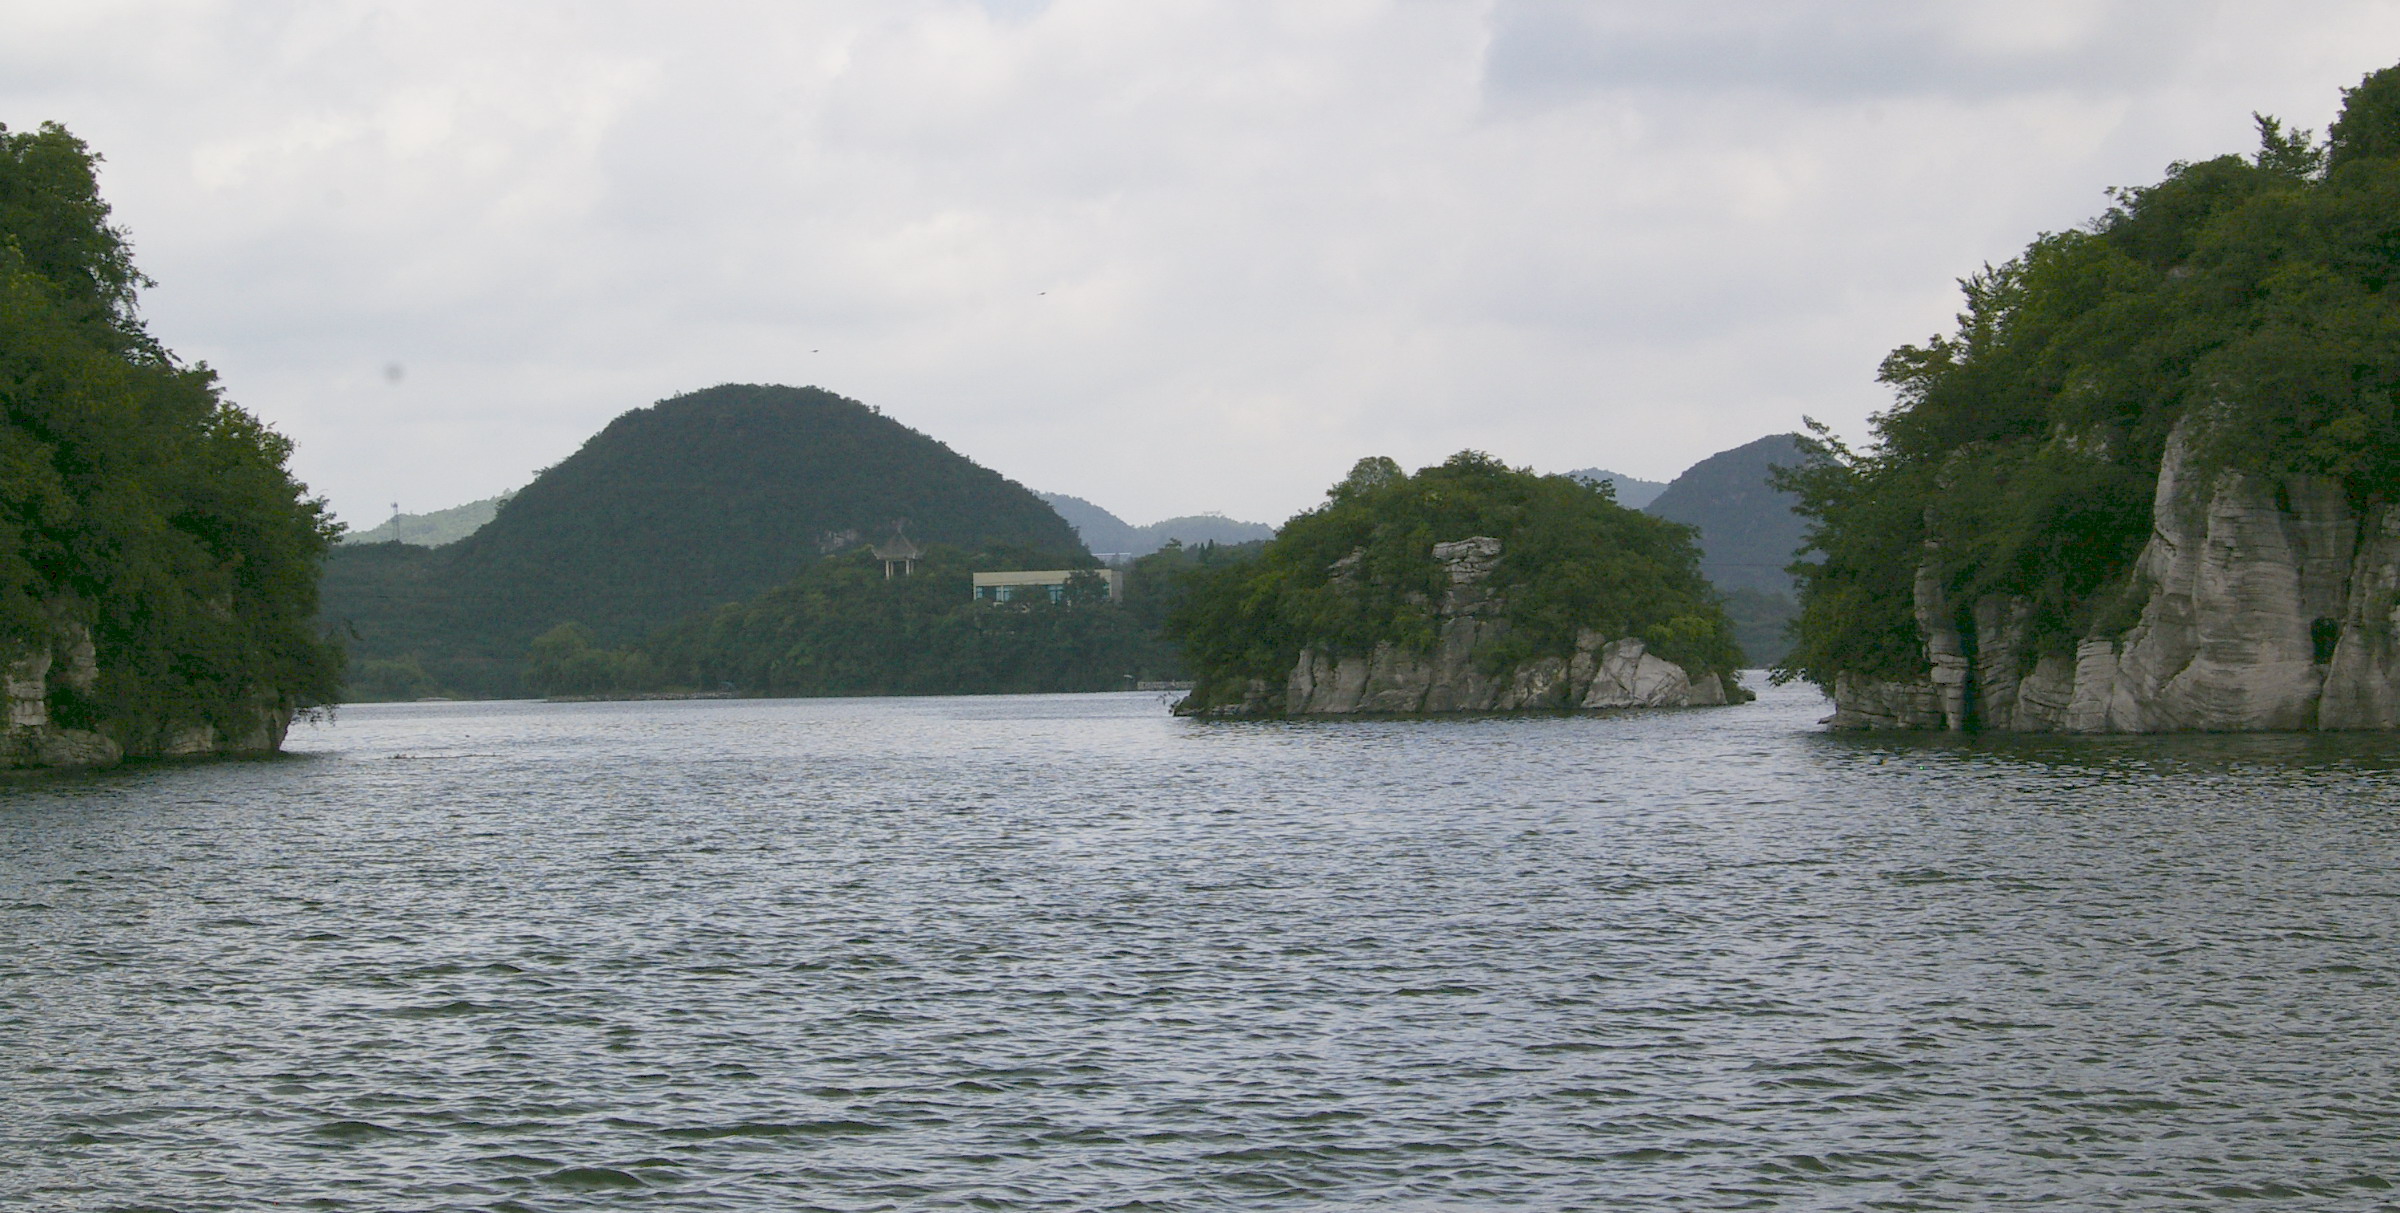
point(1451, 677)
point(2265, 604)
point(66, 660)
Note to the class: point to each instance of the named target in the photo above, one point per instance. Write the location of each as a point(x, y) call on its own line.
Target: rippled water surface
point(1070, 953)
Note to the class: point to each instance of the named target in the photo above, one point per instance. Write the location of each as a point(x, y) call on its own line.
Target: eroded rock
point(2265, 604)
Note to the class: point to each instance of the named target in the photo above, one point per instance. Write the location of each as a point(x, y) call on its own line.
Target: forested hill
point(1748, 532)
point(699, 500)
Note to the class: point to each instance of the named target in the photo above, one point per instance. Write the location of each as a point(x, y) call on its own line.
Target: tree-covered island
point(2152, 482)
point(158, 563)
point(1468, 586)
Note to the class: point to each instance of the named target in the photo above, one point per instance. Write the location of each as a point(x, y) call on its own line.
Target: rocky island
point(1548, 597)
point(2152, 483)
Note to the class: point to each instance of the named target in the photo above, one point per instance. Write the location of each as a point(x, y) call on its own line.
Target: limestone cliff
point(2265, 604)
point(64, 660)
point(1602, 672)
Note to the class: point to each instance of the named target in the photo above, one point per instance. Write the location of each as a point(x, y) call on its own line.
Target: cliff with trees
point(2152, 482)
point(1468, 586)
point(158, 563)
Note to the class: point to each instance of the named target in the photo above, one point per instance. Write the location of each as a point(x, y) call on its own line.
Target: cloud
point(1169, 256)
point(1820, 50)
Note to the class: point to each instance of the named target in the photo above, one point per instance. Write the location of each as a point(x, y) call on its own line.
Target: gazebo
point(897, 550)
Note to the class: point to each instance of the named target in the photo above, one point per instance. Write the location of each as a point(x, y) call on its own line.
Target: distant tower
point(897, 550)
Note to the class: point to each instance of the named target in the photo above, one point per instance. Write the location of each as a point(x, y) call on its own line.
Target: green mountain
point(1748, 532)
point(699, 500)
point(1103, 531)
point(433, 529)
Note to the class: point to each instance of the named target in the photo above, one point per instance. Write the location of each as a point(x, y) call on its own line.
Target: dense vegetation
point(700, 500)
point(2252, 295)
point(842, 628)
point(135, 500)
point(1572, 559)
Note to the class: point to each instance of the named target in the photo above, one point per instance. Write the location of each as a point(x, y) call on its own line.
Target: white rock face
point(32, 740)
point(2263, 608)
point(1449, 678)
point(66, 657)
point(2362, 683)
point(1629, 677)
point(1874, 703)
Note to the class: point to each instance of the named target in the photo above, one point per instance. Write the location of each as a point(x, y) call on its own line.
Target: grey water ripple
point(1069, 953)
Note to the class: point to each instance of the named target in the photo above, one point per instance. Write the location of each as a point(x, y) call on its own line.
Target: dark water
point(1068, 953)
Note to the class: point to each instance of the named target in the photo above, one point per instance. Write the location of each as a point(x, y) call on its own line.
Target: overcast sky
point(1170, 256)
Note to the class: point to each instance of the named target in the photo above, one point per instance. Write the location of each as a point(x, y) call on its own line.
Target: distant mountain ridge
point(1633, 492)
point(1106, 534)
point(435, 527)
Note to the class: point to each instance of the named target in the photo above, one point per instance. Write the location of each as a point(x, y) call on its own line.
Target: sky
point(1171, 256)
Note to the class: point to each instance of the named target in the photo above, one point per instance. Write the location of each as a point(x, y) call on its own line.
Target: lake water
point(1066, 952)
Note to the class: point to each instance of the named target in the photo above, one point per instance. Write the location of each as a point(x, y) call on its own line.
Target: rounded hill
point(698, 500)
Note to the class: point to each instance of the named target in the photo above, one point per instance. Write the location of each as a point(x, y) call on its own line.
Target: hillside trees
point(842, 628)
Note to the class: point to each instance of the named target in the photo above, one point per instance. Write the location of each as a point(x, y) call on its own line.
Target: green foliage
point(387, 680)
point(2250, 296)
point(842, 628)
point(2369, 126)
point(1359, 572)
point(1157, 584)
point(563, 661)
point(700, 500)
point(135, 501)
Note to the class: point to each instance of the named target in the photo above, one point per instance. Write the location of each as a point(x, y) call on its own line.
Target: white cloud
point(1169, 256)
